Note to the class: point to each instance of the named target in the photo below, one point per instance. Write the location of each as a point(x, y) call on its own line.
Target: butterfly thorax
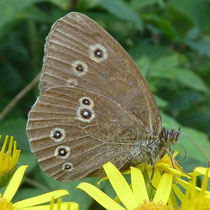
point(149, 151)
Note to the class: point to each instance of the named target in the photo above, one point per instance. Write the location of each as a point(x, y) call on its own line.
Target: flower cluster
point(160, 194)
point(8, 161)
point(151, 187)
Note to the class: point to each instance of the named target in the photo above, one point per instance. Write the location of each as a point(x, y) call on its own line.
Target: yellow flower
point(63, 205)
point(197, 199)
point(8, 160)
point(167, 165)
point(30, 203)
point(134, 197)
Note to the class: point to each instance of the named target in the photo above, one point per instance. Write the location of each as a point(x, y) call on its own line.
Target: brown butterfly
point(94, 105)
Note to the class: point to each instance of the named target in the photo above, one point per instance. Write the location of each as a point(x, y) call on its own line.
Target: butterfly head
point(169, 136)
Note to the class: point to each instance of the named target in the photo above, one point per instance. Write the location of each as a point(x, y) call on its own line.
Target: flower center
point(153, 205)
point(4, 204)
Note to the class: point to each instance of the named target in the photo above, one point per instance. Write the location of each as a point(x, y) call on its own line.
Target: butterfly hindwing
point(73, 132)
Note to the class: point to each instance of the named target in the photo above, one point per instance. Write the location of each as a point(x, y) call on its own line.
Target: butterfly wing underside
point(73, 132)
point(80, 53)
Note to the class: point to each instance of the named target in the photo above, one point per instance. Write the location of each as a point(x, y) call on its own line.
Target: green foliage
point(169, 40)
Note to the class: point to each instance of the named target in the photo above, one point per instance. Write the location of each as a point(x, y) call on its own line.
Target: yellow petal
point(46, 207)
point(63, 205)
point(178, 192)
point(99, 196)
point(120, 186)
point(157, 176)
point(185, 184)
point(205, 182)
point(14, 183)
point(201, 171)
point(173, 201)
point(40, 199)
point(128, 171)
point(164, 189)
point(103, 179)
point(138, 185)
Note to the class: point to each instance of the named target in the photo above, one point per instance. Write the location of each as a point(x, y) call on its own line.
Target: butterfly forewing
point(79, 53)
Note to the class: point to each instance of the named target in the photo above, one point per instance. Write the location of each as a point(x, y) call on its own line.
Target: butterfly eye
point(86, 101)
point(57, 134)
point(80, 68)
point(62, 152)
point(98, 53)
point(68, 166)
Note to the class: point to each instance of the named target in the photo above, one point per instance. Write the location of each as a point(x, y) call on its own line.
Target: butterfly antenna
point(198, 146)
point(152, 175)
point(185, 155)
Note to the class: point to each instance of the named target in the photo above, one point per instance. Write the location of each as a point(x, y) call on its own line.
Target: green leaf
point(200, 138)
point(165, 26)
point(9, 9)
point(122, 11)
point(202, 46)
point(27, 158)
point(190, 79)
point(197, 119)
point(27, 193)
point(143, 64)
point(168, 122)
point(164, 66)
point(64, 4)
point(86, 4)
point(180, 20)
point(160, 102)
point(9, 75)
point(16, 127)
point(33, 13)
point(197, 10)
point(136, 4)
point(183, 100)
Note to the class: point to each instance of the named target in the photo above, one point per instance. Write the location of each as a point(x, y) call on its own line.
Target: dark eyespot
point(57, 134)
point(86, 101)
point(85, 113)
point(62, 152)
point(98, 53)
point(79, 68)
point(68, 166)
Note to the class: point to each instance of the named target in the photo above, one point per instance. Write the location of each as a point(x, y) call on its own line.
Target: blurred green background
point(169, 41)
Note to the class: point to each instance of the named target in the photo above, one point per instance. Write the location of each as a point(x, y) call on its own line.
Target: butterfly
point(94, 105)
